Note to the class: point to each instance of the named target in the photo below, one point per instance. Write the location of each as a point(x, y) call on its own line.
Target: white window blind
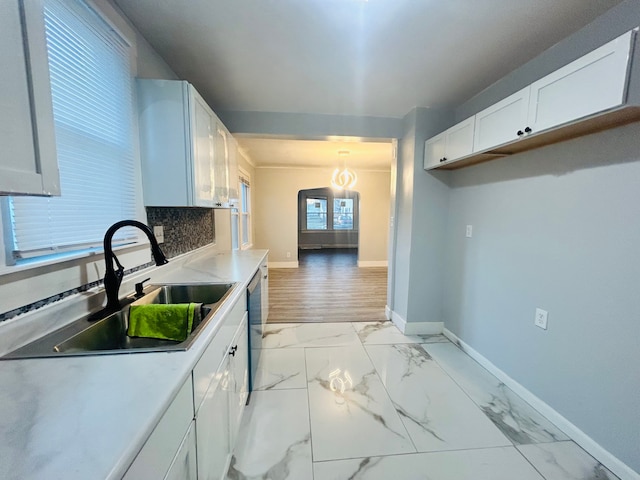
point(92, 90)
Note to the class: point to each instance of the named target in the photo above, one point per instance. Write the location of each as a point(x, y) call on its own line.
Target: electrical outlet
point(469, 231)
point(541, 318)
point(158, 232)
point(288, 254)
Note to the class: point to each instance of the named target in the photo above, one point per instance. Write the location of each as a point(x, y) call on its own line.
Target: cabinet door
point(233, 172)
point(203, 126)
point(264, 291)
point(221, 173)
point(501, 122)
point(28, 162)
point(154, 460)
point(184, 466)
point(459, 141)
point(239, 361)
point(434, 150)
point(212, 428)
point(205, 371)
point(591, 84)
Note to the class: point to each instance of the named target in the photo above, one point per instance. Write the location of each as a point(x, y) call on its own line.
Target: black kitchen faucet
point(113, 277)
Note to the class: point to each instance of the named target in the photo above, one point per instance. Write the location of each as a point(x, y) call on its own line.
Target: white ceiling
point(349, 57)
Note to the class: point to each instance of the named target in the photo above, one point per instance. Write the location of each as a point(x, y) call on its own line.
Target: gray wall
point(556, 228)
point(421, 201)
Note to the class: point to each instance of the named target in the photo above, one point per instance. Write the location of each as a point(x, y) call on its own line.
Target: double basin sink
point(109, 335)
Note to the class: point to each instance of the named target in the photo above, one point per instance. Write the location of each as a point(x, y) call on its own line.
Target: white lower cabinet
point(239, 369)
point(264, 287)
point(212, 427)
point(184, 466)
point(219, 415)
point(157, 455)
point(181, 448)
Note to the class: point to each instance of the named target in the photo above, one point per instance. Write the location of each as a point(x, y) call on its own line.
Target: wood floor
point(327, 286)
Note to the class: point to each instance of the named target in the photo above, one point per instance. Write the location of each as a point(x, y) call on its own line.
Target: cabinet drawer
point(205, 369)
point(154, 460)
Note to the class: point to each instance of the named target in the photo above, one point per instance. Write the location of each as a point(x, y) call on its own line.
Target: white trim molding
point(283, 264)
point(585, 441)
point(372, 263)
point(414, 328)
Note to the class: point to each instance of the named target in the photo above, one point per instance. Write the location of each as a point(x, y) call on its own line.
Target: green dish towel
point(168, 322)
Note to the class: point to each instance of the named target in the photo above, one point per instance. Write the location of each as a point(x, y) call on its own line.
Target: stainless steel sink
point(205, 293)
point(109, 335)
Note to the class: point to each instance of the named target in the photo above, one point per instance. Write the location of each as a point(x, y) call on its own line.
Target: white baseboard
point(372, 263)
point(283, 264)
point(387, 312)
point(414, 328)
point(585, 441)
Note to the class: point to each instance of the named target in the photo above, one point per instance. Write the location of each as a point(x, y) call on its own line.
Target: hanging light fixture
point(344, 179)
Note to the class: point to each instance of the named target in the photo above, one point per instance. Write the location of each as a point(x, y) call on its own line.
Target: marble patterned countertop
point(87, 417)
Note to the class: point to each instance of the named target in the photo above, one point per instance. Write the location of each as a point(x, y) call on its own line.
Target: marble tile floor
point(362, 401)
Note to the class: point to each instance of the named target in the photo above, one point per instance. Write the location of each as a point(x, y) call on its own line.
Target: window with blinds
point(92, 90)
point(245, 200)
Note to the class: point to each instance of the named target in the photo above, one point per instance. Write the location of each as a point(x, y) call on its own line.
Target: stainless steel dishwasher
point(256, 326)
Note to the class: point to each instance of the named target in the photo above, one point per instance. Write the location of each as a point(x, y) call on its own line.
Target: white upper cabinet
point(172, 144)
point(585, 96)
point(434, 150)
point(233, 173)
point(460, 139)
point(226, 168)
point(203, 151)
point(203, 125)
point(454, 143)
point(183, 145)
point(28, 162)
point(221, 185)
point(591, 84)
point(503, 122)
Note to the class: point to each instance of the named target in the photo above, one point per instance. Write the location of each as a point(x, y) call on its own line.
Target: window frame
point(330, 195)
point(244, 210)
point(136, 248)
point(315, 198)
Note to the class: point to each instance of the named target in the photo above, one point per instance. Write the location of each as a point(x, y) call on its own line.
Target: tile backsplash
point(185, 229)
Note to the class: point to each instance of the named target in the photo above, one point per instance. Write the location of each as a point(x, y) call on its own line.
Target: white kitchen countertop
point(87, 417)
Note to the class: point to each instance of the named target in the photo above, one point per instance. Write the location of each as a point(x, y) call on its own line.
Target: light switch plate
point(158, 232)
point(469, 231)
point(541, 318)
